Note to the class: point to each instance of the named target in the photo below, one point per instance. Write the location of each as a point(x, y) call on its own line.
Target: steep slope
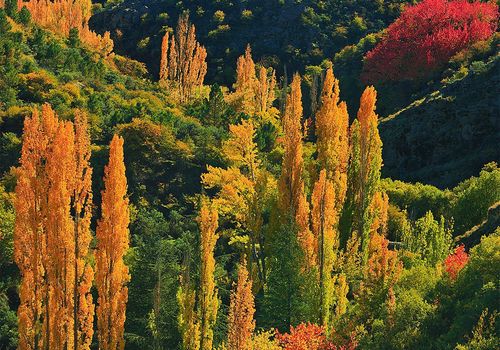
point(449, 134)
point(281, 32)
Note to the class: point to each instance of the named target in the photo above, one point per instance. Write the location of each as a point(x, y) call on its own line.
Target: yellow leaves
point(254, 94)
point(235, 191)
point(208, 299)
point(241, 149)
point(332, 130)
point(241, 323)
point(292, 199)
point(52, 233)
point(183, 59)
point(112, 244)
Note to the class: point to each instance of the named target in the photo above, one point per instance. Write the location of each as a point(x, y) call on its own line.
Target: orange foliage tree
point(255, 93)
point(112, 243)
point(183, 59)
point(60, 16)
point(241, 323)
point(52, 233)
point(364, 169)
point(292, 199)
point(208, 302)
point(332, 125)
point(381, 274)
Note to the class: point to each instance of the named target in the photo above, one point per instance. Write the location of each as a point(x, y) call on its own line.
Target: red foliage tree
point(456, 261)
point(308, 336)
point(426, 36)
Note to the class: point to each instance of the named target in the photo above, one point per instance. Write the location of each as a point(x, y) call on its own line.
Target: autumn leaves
point(53, 238)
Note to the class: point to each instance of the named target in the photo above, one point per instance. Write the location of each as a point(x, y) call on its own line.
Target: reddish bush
point(308, 336)
point(456, 262)
point(426, 36)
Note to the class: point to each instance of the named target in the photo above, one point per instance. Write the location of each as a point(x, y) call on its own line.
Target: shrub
point(426, 36)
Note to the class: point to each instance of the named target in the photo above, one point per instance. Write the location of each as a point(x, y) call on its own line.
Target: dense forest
point(249, 175)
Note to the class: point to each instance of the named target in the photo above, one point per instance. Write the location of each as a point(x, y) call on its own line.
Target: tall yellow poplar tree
point(364, 169)
point(52, 236)
point(241, 323)
point(208, 302)
point(255, 93)
point(324, 222)
point(187, 319)
point(183, 59)
point(332, 130)
point(30, 232)
point(83, 307)
point(292, 199)
point(242, 188)
point(112, 235)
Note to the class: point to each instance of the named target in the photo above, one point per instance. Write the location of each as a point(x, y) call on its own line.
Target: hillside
point(448, 134)
point(241, 208)
point(287, 33)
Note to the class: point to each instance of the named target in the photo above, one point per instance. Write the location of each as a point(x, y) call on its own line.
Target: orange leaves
point(183, 59)
point(241, 311)
point(292, 198)
point(208, 302)
point(52, 233)
point(383, 264)
point(332, 129)
point(255, 93)
point(112, 243)
point(60, 16)
point(306, 336)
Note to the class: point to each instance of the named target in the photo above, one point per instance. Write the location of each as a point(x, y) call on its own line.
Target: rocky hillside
point(448, 134)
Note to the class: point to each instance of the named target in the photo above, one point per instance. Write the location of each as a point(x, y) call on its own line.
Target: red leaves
point(425, 37)
point(456, 262)
point(309, 336)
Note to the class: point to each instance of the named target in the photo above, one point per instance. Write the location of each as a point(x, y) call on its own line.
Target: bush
point(426, 36)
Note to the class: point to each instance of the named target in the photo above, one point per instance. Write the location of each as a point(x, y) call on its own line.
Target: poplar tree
point(30, 231)
point(112, 236)
point(241, 323)
point(332, 125)
point(255, 88)
point(61, 16)
point(364, 169)
point(52, 233)
point(292, 201)
point(208, 302)
point(324, 228)
point(183, 59)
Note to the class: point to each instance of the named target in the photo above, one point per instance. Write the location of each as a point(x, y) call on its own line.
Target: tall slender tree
point(112, 235)
point(241, 323)
point(83, 307)
point(324, 228)
point(183, 59)
point(292, 199)
point(364, 169)
point(30, 233)
point(187, 319)
point(332, 130)
point(54, 190)
point(208, 302)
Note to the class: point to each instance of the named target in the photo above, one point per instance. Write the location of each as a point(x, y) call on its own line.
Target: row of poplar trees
point(302, 245)
point(52, 238)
